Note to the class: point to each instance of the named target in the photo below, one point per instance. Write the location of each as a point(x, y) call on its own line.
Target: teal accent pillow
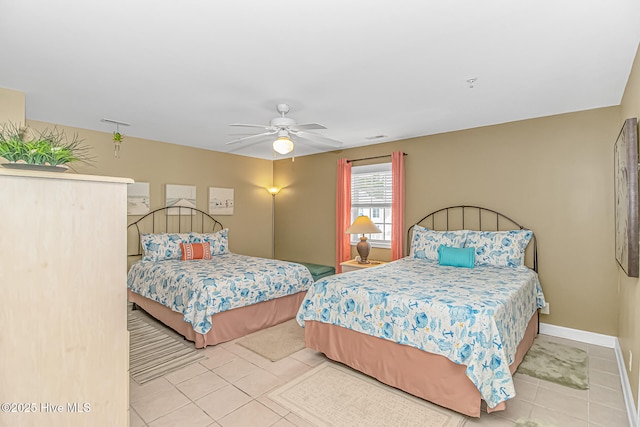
point(457, 257)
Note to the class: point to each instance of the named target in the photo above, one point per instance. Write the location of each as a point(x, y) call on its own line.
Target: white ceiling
point(181, 71)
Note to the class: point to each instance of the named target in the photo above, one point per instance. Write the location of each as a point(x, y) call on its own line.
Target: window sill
point(376, 245)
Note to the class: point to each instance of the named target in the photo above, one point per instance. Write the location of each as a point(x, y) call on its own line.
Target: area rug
point(527, 422)
point(153, 353)
point(333, 395)
point(276, 342)
point(557, 363)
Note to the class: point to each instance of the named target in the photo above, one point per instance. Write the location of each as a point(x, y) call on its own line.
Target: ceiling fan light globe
point(283, 145)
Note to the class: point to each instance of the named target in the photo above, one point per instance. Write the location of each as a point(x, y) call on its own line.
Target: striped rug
point(153, 353)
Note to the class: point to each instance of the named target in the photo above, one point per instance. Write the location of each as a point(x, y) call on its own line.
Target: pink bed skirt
point(429, 376)
point(227, 325)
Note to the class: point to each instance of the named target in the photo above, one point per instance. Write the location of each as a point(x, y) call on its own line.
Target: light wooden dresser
point(64, 345)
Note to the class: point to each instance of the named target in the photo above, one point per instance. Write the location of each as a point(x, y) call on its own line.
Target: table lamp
point(363, 225)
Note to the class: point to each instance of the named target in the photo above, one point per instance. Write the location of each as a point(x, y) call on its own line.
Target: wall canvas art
point(220, 201)
point(138, 200)
point(626, 198)
point(180, 195)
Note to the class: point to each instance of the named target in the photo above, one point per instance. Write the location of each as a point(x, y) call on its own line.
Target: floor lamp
point(273, 191)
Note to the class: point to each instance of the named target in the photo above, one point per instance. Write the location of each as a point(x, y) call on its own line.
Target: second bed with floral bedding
point(216, 295)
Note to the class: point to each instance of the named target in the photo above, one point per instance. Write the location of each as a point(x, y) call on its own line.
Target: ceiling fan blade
point(251, 137)
point(250, 126)
point(248, 144)
point(318, 138)
point(308, 126)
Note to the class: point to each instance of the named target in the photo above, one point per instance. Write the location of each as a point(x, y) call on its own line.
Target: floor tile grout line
point(264, 395)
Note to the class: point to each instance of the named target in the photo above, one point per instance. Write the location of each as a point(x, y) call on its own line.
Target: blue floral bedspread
point(201, 288)
point(473, 316)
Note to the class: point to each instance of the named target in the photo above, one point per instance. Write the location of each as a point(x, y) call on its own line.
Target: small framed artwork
point(220, 201)
point(138, 200)
point(180, 195)
point(626, 198)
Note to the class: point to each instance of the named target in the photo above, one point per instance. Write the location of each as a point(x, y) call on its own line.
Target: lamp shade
point(283, 145)
point(273, 190)
point(363, 225)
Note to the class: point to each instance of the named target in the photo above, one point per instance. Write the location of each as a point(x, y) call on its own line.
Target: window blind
point(371, 186)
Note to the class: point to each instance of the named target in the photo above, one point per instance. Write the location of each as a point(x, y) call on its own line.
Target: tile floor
point(231, 387)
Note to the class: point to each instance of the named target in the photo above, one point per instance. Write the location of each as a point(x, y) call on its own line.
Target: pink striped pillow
point(195, 251)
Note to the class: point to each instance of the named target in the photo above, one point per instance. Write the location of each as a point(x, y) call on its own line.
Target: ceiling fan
point(285, 129)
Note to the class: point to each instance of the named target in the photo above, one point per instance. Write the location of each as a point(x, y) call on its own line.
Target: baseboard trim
point(603, 341)
point(626, 387)
point(577, 335)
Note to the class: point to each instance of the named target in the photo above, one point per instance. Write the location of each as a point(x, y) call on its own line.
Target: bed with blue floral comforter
point(200, 288)
point(473, 316)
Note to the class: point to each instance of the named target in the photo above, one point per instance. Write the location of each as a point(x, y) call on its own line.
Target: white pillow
point(159, 247)
point(425, 242)
point(218, 241)
point(499, 248)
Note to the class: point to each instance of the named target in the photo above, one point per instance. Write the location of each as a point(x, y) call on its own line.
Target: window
point(371, 194)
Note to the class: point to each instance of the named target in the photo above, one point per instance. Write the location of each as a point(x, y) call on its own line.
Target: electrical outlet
point(546, 309)
point(630, 361)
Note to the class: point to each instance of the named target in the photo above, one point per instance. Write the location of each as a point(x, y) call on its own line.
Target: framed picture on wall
point(138, 200)
point(626, 198)
point(220, 201)
point(180, 195)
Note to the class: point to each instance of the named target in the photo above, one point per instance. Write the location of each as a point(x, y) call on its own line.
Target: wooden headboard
point(464, 217)
point(179, 219)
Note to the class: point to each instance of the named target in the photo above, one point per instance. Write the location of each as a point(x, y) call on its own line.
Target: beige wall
point(305, 209)
point(629, 296)
point(552, 174)
point(12, 107)
point(161, 163)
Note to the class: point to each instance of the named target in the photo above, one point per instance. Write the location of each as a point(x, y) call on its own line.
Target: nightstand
point(353, 265)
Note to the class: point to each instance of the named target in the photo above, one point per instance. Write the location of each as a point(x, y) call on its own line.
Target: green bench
point(318, 271)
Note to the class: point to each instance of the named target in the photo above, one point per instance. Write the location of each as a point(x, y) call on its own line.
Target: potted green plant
point(117, 138)
point(49, 149)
